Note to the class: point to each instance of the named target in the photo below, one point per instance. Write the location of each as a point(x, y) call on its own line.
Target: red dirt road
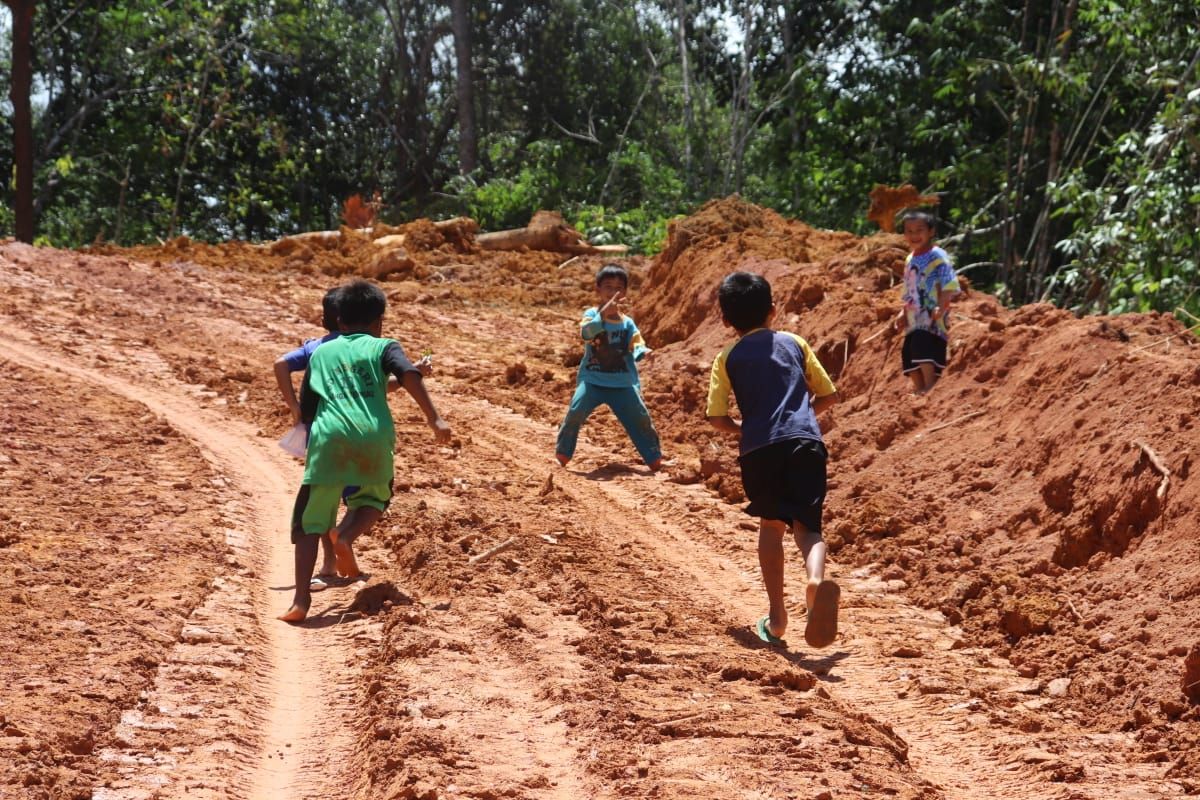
point(608, 651)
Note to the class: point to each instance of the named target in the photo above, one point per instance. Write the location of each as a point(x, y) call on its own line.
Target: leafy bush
point(643, 232)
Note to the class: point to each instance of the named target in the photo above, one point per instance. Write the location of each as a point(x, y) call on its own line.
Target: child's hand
point(612, 309)
point(441, 431)
point(425, 365)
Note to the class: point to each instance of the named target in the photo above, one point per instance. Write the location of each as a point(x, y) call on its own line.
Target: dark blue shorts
point(786, 481)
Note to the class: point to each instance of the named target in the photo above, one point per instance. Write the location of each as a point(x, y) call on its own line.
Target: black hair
point(919, 216)
point(613, 271)
point(329, 310)
point(745, 300)
point(360, 303)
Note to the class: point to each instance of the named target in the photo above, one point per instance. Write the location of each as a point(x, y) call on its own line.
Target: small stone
point(1058, 687)
point(905, 651)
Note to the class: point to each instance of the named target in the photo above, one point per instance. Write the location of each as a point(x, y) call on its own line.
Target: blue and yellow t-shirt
point(771, 374)
point(924, 276)
point(612, 351)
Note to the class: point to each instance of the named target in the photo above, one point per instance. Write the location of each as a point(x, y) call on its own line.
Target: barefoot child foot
point(296, 613)
point(347, 564)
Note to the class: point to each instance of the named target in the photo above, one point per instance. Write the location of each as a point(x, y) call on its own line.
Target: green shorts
point(316, 507)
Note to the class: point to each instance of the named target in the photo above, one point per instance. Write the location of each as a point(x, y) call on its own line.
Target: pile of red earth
point(1039, 497)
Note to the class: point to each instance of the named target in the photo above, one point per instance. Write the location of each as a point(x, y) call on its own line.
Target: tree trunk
point(546, 231)
point(468, 143)
point(22, 81)
point(681, 21)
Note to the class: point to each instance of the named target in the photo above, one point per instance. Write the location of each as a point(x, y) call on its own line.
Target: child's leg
point(820, 595)
point(313, 514)
point(918, 381)
point(928, 376)
point(813, 548)
point(306, 561)
point(583, 403)
point(328, 562)
point(770, 561)
point(630, 409)
point(356, 522)
point(366, 506)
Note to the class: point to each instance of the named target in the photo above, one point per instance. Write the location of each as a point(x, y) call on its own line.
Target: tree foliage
point(1061, 136)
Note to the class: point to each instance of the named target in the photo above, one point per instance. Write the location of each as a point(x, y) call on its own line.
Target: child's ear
point(726, 322)
point(771, 314)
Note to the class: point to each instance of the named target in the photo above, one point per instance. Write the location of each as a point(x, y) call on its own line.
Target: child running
point(297, 361)
point(608, 373)
point(929, 286)
point(780, 387)
point(352, 435)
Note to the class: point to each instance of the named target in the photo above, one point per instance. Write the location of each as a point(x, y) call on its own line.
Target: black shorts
point(922, 347)
point(786, 481)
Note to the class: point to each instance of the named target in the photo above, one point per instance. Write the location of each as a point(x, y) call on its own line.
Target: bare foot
point(347, 565)
point(294, 614)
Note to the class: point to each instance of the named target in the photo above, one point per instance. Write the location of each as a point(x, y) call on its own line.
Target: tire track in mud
point(232, 710)
point(671, 560)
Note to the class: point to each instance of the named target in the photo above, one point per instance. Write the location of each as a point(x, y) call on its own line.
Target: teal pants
point(626, 403)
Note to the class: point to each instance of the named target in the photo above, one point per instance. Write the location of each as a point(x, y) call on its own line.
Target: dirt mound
point(887, 201)
point(1026, 498)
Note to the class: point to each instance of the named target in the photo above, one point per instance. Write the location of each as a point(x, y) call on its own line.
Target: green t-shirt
point(352, 437)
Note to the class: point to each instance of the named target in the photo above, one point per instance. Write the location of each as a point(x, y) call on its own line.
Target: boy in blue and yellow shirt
point(780, 387)
point(608, 373)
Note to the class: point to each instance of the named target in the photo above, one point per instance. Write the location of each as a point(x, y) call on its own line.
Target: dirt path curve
point(970, 723)
point(273, 742)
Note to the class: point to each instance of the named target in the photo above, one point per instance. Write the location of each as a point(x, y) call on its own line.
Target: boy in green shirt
point(351, 435)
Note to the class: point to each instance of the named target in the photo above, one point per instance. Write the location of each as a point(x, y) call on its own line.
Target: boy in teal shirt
point(351, 435)
point(608, 373)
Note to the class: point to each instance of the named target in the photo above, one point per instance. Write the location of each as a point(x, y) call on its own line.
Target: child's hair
point(360, 303)
point(613, 271)
point(329, 310)
point(745, 300)
point(919, 216)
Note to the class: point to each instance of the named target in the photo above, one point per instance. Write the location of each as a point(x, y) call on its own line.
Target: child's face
point(918, 235)
point(609, 287)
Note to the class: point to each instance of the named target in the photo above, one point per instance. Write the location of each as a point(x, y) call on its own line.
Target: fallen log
point(546, 231)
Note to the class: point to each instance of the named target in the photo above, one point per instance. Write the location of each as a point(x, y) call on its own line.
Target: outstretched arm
point(415, 386)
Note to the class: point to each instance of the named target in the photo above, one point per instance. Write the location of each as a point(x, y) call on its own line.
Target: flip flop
point(318, 584)
point(765, 634)
point(822, 626)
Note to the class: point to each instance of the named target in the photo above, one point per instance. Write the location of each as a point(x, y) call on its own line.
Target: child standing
point(352, 435)
point(929, 286)
point(608, 373)
point(780, 387)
